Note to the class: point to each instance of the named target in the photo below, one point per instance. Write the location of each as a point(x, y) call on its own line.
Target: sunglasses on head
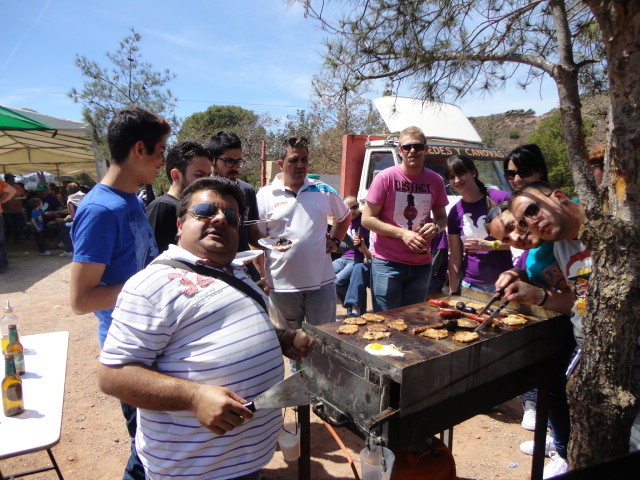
point(493, 213)
point(230, 162)
point(418, 147)
point(523, 172)
point(209, 210)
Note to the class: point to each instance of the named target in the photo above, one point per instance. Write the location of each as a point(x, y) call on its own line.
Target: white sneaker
point(557, 466)
point(66, 254)
point(549, 446)
point(46, 253)
point(529, 417)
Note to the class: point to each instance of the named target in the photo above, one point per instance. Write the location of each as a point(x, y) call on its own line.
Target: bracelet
point(545, 295)
point(496, 244)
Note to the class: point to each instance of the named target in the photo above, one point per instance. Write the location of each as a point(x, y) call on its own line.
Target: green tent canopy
point(32, 142)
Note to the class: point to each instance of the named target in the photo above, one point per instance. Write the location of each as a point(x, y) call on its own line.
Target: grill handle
point(318, 409)
point(383, 416)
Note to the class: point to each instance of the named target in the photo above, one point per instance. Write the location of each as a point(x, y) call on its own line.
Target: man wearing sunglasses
point(191, 343)
point(301, 279)
point(112, 238)
point(186, 162)
point(399, 205)
point(226, 149)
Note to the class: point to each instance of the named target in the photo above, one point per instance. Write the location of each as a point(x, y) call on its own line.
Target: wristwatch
point(496, 244)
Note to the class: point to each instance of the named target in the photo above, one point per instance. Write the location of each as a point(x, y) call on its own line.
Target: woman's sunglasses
point(523, 172)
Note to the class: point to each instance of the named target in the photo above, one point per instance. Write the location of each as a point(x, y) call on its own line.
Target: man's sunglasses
point(418, 147)
point(532, 210)
point(523, 172)
point(354, 207)
point(230, 162)
point(209, 210)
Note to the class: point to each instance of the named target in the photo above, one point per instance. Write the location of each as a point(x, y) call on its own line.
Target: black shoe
point(351, 313)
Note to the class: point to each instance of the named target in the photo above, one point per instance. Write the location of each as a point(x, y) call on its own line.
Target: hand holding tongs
point(484, 324)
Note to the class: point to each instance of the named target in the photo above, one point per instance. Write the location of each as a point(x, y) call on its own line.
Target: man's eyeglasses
point(203, 211)
point(354, 207)
point(418, 147)
point(230, 162)
point(523, 172)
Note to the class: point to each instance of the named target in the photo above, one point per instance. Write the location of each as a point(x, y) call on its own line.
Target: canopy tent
point(31, 142)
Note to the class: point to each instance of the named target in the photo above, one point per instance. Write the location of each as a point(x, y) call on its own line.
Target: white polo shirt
point(303, 218)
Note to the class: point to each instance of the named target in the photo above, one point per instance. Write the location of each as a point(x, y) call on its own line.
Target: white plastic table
point(38, 427)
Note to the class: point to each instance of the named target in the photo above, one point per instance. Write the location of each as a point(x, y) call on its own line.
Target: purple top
point(406, 201)
point(467, 220)
point(356, 227)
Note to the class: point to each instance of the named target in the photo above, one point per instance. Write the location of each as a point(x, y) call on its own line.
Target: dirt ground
point(94, 444)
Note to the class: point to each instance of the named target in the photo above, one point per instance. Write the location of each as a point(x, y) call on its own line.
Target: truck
point(448, 132)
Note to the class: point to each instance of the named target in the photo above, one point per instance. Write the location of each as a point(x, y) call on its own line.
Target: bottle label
point(19, 359)
point(14, 392)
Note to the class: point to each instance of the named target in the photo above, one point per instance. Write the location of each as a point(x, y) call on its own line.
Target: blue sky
point(258, 54)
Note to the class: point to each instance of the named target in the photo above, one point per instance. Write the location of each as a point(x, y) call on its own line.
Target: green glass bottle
point(15, 348)
point(12, 401)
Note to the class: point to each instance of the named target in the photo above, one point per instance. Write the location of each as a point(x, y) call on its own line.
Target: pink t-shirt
point(406, 200)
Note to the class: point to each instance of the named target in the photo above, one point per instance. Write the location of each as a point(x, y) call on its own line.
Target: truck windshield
point(379, 161)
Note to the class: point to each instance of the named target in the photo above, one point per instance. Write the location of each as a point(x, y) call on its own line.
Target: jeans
point(343, 267)
point(134, 469)
point(483, 287)
point(65, 235)
point(396, 284)
point(358, 283)
point(313, 306)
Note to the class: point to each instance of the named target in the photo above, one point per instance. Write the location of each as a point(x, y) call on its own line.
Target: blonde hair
point(413, 132)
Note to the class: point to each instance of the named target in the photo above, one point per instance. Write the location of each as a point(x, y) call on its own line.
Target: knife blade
point(290, 392)
point(484, 324)
point(488, 305)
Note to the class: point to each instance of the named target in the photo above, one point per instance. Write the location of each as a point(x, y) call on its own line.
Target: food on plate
point(282, 242)
point(467, 323)
point(448, 314)
point(465, 337)
point(398, 325)
point(355, 321)
point(373, 317)
point(439, 303)
point(348, 329)
point(376, 335)
point(514, 319)
point(377, 327)
point(435, 333)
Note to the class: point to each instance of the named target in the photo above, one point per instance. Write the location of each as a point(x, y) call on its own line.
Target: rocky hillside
point(510, 129)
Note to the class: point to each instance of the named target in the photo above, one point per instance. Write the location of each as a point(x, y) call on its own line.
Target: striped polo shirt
point(201, 329)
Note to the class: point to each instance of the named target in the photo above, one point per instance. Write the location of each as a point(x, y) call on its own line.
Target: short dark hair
point(220, 185)
point(221, 142)
point(543, 187)
point(528, 155)
point(131, 125)
point(72, 188)
point(181, 154)
point(461, 164)
point(293, 142)
point(34, 202)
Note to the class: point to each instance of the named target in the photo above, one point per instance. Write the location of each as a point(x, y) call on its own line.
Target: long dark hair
point(461, 164)
point(530, 156)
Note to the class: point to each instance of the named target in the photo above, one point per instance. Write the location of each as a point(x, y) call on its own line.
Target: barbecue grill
point(398, 402)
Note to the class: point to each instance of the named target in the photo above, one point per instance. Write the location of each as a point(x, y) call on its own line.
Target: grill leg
point(447, 437)
point(304, 462)
point(542, 412)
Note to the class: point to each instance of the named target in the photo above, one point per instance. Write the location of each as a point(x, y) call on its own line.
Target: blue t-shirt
point(36, 216)
point(110, 227)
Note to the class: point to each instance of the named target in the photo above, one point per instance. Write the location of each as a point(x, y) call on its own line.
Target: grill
point(399, 401)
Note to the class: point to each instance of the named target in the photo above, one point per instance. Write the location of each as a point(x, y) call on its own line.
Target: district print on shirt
point(411, 209)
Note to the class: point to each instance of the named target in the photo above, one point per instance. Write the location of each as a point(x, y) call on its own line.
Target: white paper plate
point(249, 255)
point(269, 242)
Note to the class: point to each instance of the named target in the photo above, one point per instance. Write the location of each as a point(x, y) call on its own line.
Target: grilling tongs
point(484, 324)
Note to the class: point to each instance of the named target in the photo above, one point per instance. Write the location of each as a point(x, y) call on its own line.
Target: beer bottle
point(15, 348)
point(8, 318)
point(12, 401)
